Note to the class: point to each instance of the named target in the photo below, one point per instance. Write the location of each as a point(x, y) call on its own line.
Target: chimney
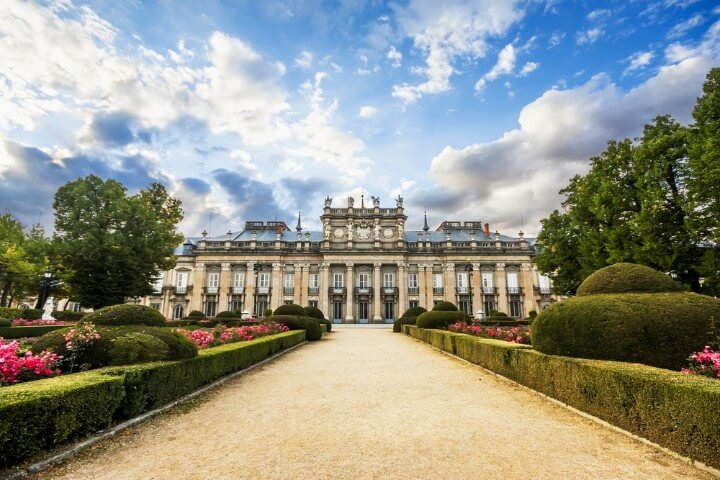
point(486, 230)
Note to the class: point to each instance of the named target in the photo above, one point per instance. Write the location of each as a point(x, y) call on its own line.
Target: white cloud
point(555, 39)
point(444, 31)
point(304, 60)
point(394, 57)
point(367, 111)
point(529, 67)
point(588, 36)
point(599, 15)
point(682, 28)
point(505, 62)
point(638, 60)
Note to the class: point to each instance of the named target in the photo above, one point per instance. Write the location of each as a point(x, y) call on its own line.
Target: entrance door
point(337, 312)
point(363, 312)
point(389, 312)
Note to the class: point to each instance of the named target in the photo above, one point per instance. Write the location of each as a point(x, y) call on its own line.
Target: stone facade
point(363, 267)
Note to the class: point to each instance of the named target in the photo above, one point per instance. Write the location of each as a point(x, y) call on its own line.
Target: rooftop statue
point(328, 201)
point(399, 201)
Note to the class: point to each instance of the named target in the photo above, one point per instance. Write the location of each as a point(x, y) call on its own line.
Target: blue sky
point(479, 109)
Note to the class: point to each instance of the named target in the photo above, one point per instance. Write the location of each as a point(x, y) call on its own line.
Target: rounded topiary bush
point(98, 354)
point(314, 312)
point(295, 322)
point(398, 323)
point(660, 329)
point(413, 312)
point(326, 322)
point(125, 315)
point(5, 322)
point(445, 307)
point(196, 314)
point(137, 347)
point(441, 319)
point(226, 314)
point(290, 309)
point(627, 278)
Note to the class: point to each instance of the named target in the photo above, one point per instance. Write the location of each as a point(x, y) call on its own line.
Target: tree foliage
point(653, 201)
point(112, 245)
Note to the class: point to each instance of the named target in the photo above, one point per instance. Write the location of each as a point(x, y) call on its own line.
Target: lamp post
point(46, 281)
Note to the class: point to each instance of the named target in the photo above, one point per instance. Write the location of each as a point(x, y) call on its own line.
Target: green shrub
point(499, 320)
point(268, 312)
point(294, 322)
point(532, 314)
point(180, 323)
point(290, 309)
point(26, 313)
point(497, 313)
point(98, 353)
point(314, 312)
point(226, 314)
point(67, 315)
point(125, 314)
point(196, 314)
point(627, 278)
point(398, 323)
point(413, 312)
point(659, 329)
point(676, 411)
point(30, 331)
point(137, 347)
point(441, 319)
point(207, 323)
point(5, 322)
point(445, 307)
point(326, 322)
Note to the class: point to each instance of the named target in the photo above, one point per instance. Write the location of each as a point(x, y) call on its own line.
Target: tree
point(111, 245)
point(558, 252)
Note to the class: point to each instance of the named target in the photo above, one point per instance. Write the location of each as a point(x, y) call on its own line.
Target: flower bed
point(22, 322)
point(705, 363)
point(518, 334)
point(17, 366)
point(221, 335)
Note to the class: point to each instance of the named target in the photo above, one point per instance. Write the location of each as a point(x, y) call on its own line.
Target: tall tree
point(558, 252)
point(112, 245)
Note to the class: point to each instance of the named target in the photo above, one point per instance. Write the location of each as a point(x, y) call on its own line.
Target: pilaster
point(249, 300)
point(276, 294)
point(501, 280)
point(476, 289)
point(305, 285)
point(349, 304)
point(402, 289)
point(422, 294)
point(323, 286)
point(428, 287)
point(527, 277)
point(298, 286)
point(450, 284)
point(197, 287)
point(377, 291)
point(223, 286)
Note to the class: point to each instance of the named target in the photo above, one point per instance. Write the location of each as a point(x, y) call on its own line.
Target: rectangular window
point(213, 280)
point(412, 280)
point(413, 303)
point(464, 306)
point(181, 280)
point(178, 312)
point(313, 280)
point(263, 279)
point(239, 279)
point(313, 303)
point(437, 280)
point(338, 280)
point(462, 280)
point(363, 312)
point(544, 284)
point(389, 310)
point(337, 311)
point(515, 308)
point(388, 280)
point(155, 306)
point(489, 305)
point(158, 284)
point(75, 307)
point(363, 280)
point(487, 279)
point(236, 303)
point(289, 280)
point(210, 308)
point(512, 283)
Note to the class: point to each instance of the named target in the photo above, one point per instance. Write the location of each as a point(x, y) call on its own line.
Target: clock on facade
point(363, 233)
point(339, 233)
point(388, 232)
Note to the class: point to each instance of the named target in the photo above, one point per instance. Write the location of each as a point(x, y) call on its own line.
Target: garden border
point(446, 343)
point(78, 447)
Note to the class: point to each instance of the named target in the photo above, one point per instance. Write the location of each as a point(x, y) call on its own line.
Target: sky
point(478, 110)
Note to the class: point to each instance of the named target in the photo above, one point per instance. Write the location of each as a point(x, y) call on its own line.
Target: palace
point(363, 267)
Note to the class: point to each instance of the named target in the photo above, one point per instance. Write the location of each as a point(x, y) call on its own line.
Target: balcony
point(337, 290)
point(210, 290)
point(181, 290)
point(313, 290)
point(438, 290)
point(288, 290)
point(263, 290)
point(544, 290)
point(363, 290)
point(237, 290)
point(462, 290)
point(390, 290)
point(413, 290)
point(489, 290)
point(514, 290)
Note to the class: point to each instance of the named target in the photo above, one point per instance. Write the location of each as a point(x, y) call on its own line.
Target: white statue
point(48, 309)
point(326, 229)
point(377, 230)
point(350, 230)
point(400, 230)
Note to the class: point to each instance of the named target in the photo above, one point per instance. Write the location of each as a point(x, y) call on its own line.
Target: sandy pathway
point(371, 404)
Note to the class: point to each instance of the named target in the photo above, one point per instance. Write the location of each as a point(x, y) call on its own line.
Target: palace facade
point(363, 267)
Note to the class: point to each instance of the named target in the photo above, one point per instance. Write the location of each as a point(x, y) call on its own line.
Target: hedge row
point(676, 411)
point(67, 315)
point(26, 313)
point(28, 331)
point(36, 416)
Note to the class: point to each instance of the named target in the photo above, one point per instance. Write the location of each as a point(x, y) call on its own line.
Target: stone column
point(276, 295)
point(450, 285)
point(476, 287)
point(305, 285)
point(166, 294)
point(377, 290)
point(422, 294)
point(249, 300)
point(323, 289)
point(298, 286)
point(428, 285)
point(527, 282)
point(402, 289)
point(223, 286)
point(501, 285)
point(349, 307)
point(197, 287)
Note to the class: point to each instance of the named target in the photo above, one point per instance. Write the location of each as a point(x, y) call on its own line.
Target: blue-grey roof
point(459, 235)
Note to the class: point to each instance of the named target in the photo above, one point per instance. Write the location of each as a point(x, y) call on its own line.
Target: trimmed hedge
point(28, 331)
point(326, 322)
point(290, 309)
point(398, 323)
point(314, 312)
point(36, 416)
point(5, 322)
point(676, 411)
point(660, 329)
point(180, 323)
point(413, 312)
point(445, 307)
point(125, 314)
point(441, 319)
point(502, 321)
point(293, 322)
point(227, 314)
point(67, 315)
point(196, 314)
point(627, 278)
point(26, 313)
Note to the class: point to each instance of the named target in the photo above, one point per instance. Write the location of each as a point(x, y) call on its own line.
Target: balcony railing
point(313, 290)
point(263, 290)
point(181, 290)
point(211, 290)
point(363, 290)
point(514, 290)
point(288, 290)
point(438, 290)
point(545, 290)
point(413, 290)
point(462, 290)
point(390, 290)
point(237, 290)
point(489, 290)
point(337, 290)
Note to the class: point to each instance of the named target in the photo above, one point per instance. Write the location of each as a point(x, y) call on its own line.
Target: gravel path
point(371, 404)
